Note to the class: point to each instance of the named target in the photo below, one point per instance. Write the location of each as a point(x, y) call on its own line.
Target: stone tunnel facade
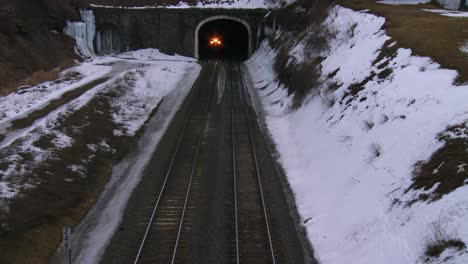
point(169, 30)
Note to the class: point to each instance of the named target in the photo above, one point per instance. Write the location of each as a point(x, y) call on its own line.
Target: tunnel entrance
point(223, 38)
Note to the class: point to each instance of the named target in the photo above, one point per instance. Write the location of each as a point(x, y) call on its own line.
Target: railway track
point(228, 211)
point(167, 232)
point(251, 234)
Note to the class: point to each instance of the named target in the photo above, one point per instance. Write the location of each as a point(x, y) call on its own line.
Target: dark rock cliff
point(31, 39)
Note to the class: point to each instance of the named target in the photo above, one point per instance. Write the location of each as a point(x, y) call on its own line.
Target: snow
point(339, 182)
point(93, 234)
point(464, 47)
point(236, 4)
point(448, 13)
point(29, 99)
point(25, 101)
point(404, 2)
point(448, 256)
point(221, 83)
point(153, 55)
point(140, 81)
point(61, 140)
point(151, 81)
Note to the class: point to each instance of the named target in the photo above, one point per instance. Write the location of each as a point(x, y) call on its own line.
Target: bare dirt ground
point(35, 217)
point(425, 33)
point(32, 50)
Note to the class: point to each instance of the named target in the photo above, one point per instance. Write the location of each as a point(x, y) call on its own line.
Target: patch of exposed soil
point(28, 42)
point(300, 23)
point(69, 182)
point(354, 89)
point(53, 105)
point(447, 169)
point(434, 250)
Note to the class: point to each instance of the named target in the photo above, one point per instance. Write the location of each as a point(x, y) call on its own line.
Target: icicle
point(98, 43)
point(77, 30)
point(88, 18)
point(83, 33)
point(111, 47)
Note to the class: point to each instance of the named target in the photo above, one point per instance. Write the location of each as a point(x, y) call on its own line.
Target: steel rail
point(194, 167)
point(234, 171)
point(163, 188)
point(254, 154)
point(168, 173)
point(189, 187)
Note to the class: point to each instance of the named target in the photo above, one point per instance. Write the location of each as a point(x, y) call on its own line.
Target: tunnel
point(223, 38)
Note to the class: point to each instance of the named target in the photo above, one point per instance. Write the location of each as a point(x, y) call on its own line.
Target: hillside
point(29, 42)
point(371, 134)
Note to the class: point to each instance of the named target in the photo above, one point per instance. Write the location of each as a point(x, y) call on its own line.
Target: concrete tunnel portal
point(233, 36)
point(186, 32)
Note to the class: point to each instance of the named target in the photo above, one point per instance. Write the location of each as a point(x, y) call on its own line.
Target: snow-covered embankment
point(75, 144)
point(350, 152)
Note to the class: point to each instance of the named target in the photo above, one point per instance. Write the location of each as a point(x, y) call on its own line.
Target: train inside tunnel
point(224, 39)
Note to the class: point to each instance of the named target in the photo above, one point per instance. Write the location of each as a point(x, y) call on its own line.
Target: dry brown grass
point(36, 78)
point(54, 104)
point(27, 45)
point(439, 238)
point(447, 167)
point(301, 22)
point(427, 34)
point(37, 216)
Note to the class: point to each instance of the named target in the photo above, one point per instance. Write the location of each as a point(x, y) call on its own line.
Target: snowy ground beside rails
point(174, 81)
point(135, 88)
point(347, 162)
point(449, 13)
point(28, 99)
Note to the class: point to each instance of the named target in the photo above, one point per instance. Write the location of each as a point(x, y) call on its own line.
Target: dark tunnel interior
point(223, 39)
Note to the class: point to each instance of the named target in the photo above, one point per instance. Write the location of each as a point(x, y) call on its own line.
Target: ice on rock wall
point(107, 41)
point(88, 17)
point(83, 33)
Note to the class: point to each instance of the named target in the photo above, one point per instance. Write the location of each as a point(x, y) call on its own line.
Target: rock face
point(31, 39)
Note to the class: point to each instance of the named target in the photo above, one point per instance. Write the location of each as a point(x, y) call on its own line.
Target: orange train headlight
point(216, 42)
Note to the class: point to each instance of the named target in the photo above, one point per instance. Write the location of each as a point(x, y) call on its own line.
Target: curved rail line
point(245, 116)
point(170, 170)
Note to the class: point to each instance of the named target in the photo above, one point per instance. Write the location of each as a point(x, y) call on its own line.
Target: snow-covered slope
point(136, 85)
point(350, 158)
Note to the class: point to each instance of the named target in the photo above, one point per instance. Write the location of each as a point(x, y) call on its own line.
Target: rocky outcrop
point(31, 39)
